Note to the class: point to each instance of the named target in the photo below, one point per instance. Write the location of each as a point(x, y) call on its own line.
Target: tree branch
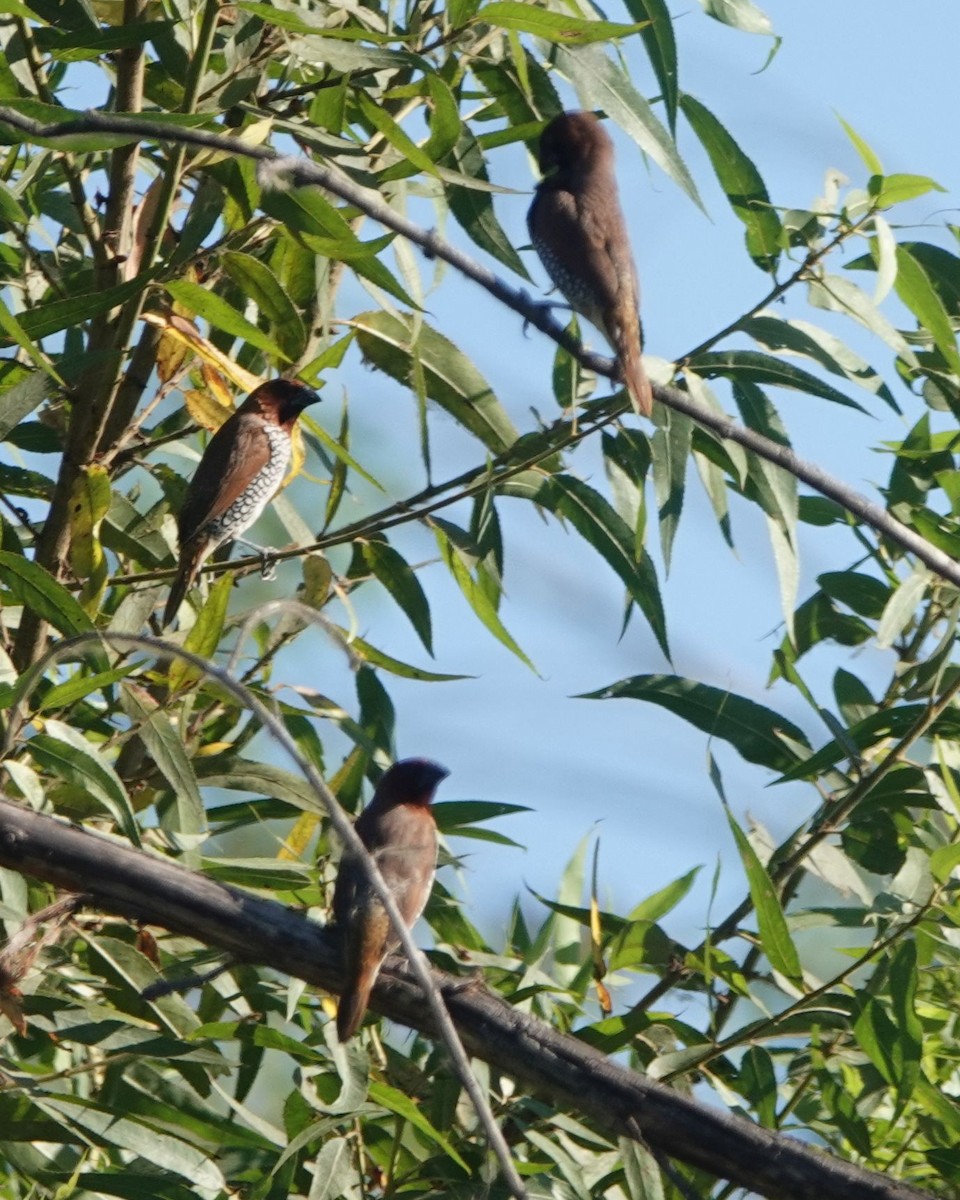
point(148, 888)
point(278, 171)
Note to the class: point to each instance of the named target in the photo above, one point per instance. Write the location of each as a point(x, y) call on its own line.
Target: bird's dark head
point(281, 400)
point(573, 139)
point(410, 781)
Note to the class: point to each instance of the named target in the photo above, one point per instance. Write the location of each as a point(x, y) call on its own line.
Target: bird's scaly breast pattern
point(259, 491)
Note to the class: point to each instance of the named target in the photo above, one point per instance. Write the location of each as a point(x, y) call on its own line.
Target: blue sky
point(630, 772)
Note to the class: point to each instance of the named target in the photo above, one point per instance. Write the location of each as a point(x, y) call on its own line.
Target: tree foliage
point(148, 282)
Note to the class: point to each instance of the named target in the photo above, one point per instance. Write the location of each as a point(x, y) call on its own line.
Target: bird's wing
point(237, 451)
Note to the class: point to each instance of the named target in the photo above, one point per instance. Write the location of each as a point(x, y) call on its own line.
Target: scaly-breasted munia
point(240, 473)
point(577, 228)
point(398, 829)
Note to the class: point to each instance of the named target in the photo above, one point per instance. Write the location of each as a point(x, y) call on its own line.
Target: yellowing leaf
point(297, 840)
point(206, 409)
point(89, 502)
point(185, 331)
point(213, 380)
point(298, 455)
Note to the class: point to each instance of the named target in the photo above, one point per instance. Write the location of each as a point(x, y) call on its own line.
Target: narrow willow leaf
point(377, 658)
point(19, 400)
point(835, 293)
point(62, 695)
point(204, 636)
point(889, 190)
point(803, 337)
point(741, 14)
point(168, 752)
point(89, 504)
point(38, 591)
point(902, 606)
point(221, 315)
point(67, 753)
point(15, 331)
point(397, 345)
point(750, 366)
point(602, 83)
point(55, 315)
point(400, 1103)
point(774, 934)
point(561, 28)
point(475, 595)
point(474, 210)
point(670, 455)
point(867, 734)
point(603, 528)
point(867, 153)
point(394, 572)
point(918, 294)
point(271, 298)
point(661, 47)
point(665, 900)
point(742, 183)
point(381, 120)
point(754, 731)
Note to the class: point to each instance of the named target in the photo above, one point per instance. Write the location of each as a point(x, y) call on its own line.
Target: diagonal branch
point(564, 1068)
point(439, 1016)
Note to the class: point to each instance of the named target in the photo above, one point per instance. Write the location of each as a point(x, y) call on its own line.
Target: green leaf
point(741, 182)
point(402, 346)
point(55, 315)
point(221, 315)
point(902, 606)
point(750, 366)
point(271, 298)
point(603, 528)
point(670, 454)
point(15, 331)
point(169, 754)
point(866, 152)
point(561, 28)
point(889, 190)
point(865, 594)
point(394, 572)
point(661, 46)
point(19, 400)
point(381, 120)
point(378, 658)
point(603, 84)
point(65, 751)
point(741, 14)
point(756, 732)
point(774, 934)
point(474, 209)
point(919, 295)
point(38, 591)
point(665, 900)
point(476, 597)
point(65, 694)
point(204, 636)
point(400, 1103)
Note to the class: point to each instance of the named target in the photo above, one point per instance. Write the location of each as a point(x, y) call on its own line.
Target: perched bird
point(239, 474)
point(398, 829)
point(577, 228)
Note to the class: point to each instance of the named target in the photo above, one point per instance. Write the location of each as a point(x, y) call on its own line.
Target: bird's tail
point(191, 557)
point(624, 336)
point(353, 1004)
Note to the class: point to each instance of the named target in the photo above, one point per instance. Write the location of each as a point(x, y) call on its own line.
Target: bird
point(398, 829)
point(240, 473)
point(577, 228)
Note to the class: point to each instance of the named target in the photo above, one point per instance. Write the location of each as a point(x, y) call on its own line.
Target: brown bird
point(577, 228)
point(240, 473)
point(398, 829)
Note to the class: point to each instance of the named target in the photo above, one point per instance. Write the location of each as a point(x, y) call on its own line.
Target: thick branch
point(147, 888)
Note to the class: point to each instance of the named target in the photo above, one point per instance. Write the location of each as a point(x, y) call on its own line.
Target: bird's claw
point(268, 567)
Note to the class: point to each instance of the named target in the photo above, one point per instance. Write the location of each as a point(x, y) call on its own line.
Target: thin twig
point(278, 171)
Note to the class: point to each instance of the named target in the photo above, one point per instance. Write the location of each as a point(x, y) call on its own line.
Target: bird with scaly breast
point(398, 829)
point(239, 474)
point(577, 228)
